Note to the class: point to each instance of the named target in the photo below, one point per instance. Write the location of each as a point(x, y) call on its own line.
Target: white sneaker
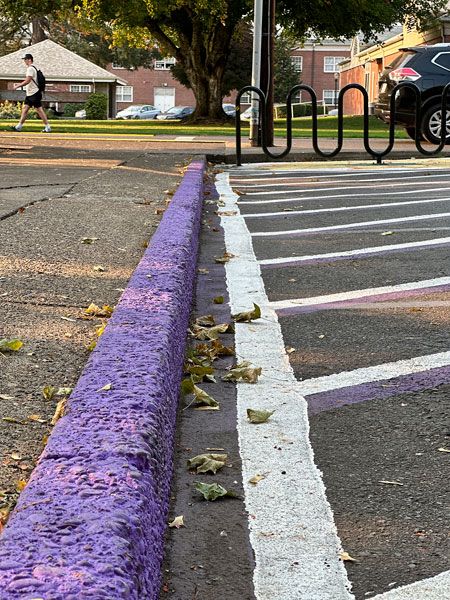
point(16, 127)
point(47, 129)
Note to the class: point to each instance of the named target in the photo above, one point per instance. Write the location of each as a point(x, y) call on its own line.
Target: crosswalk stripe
point(308, 230)
point(291, 260)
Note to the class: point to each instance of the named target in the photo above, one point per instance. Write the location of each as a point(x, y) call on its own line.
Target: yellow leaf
point(177, 522)
point(91, 346)
point(105, 388)
point(99, 330)
point(256, 479)
point(37, 419)
point(48, 392)
point(345, 556)
point(20, 485)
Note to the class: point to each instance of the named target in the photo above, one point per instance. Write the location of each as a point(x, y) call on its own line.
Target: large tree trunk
point(38, 29)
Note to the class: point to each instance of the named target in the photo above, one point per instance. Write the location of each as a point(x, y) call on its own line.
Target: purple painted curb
point(91, 521)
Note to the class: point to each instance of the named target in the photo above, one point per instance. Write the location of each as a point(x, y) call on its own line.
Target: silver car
point(138, 111)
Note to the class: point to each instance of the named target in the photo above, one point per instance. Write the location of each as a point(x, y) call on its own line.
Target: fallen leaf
point(204, 463)
point(226, 257)
point(91, 346)
point(16, 456)
point(218, 300)
point(99, 268)
point(89, 240)
point(201, 397)
point(12, 420)
point(100, 329)
point(37, 419)
point(258, 416)
point(105, 388)
point(205, 321)
point(387, 233)
point(59, 411)
point(20, 485)
point(203, 271)
point(159, 211)
point(207, 408)
point(443, 450)
point(95, 311)
point(10, 345)
point(249, 315)
point(345, 556)
point(64, 391)
point(68, 319)
point(48, 392)
point(6, 397)
point(210, 333)
point(177, 522)
point(390, 482)
point(212, 491)
point(243, 371)
point(289, 349)
point(256, 479)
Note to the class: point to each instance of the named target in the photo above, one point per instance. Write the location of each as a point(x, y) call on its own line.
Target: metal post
point(256, 69)
point(336, 81)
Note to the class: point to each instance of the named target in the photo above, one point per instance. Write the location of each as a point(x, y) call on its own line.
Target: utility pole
point(256, 70)
point(267, 63)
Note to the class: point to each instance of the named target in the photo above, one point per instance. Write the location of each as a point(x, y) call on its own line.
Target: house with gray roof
point(70, 78)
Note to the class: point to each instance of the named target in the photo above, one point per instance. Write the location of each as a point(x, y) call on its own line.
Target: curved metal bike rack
point(378, 155)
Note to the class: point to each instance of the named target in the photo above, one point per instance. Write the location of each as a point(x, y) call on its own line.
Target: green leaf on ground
point(259, 416)
point(204, 463)
point(187, 386)
point(218, 300)
point(249, 315)
point(10, 345)
point(48, 392)
point(212, 491)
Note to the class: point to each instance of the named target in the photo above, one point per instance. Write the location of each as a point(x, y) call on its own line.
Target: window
point(124, 93)
point(330, 97)
point(246, 98)
point(442, 60)
point(164, 64)
point(330, 63)
point(80, 88)
point(117, 66)
point(297, 63)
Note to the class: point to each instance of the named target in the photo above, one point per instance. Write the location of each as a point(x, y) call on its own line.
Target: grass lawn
point(353, 127)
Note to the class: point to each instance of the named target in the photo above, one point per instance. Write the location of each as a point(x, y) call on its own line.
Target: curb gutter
point(91, 521)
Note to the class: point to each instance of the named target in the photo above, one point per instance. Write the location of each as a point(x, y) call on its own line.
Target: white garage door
point(164, 98)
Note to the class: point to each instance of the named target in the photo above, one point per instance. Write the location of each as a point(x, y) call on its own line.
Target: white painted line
point(337, 381)
point(302, 198)
point(357, 294)
point(357, 252)
point(350, 225)
point(184, 138)
point(349, 187)
point(376, 179)
point(307, 174)
point(434, 588)
point(292, 530)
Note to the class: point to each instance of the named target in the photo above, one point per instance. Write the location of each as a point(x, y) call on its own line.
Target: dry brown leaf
point(177, 522)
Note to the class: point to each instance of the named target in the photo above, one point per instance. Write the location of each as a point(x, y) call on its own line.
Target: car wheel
point(431, 125)
point(411, 131)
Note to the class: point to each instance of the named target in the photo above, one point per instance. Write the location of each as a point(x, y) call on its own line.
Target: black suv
point(428, 67)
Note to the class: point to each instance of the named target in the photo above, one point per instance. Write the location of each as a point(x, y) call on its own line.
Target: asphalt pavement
point(354, 261)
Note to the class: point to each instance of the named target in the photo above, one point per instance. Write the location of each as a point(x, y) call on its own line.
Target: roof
point(57, 63)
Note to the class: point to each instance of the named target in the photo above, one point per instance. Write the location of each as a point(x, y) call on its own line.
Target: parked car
point(176, 112)
point(428, 67)
point(229, 110)
point(80, 114)
point(138, 111)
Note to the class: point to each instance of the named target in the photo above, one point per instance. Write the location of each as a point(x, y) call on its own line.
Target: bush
point(96, 106)
point(71, 108)
point(13, 110)
point(301, 110)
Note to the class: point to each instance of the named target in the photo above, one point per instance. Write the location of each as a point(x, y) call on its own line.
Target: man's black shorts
point(34, 100)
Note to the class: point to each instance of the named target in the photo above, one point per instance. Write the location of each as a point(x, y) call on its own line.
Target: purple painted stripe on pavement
point(377, 390)
point(315, 261)
point(296, 310)
point(91, 521)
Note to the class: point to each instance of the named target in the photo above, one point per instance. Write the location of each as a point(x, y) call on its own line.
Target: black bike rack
point(340, 128)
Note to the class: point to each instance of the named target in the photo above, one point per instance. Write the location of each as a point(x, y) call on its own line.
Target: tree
point(284, 74)
point(198, 33)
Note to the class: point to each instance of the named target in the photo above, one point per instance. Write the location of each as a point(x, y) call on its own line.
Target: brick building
point(317, 64)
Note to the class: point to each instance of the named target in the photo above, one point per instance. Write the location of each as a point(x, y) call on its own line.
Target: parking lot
point(354, 261)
